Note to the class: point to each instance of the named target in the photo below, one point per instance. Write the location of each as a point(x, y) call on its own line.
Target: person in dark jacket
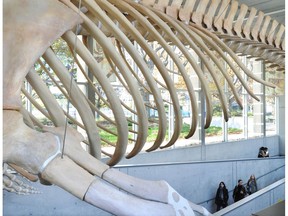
point(239, 191)
point(263, 152)
point(221, 199)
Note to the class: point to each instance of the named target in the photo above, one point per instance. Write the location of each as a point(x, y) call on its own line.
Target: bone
point(161, 5)
point(157, 191)
point(73, 169)
point(120, 200)
point(61, 90)
point(121, 51)
point(209, 16)
point(26, 116)
point(279, 35)
point(236, 59)
point(185, 12)
point(191, 60)
point(257, 25)
point(35, 121)
point(16, 185)
point(92, 105)
point(150, 81)
point(216, 61)
point(165, 76)
point(148, 2)
point(13, 187)
point(24, 173)
point(173, 9)
point(178, 124)
point(231, 65)
point(130, 184)
point(171, 53)
point(21, 142)
point(228, 21)
point(176, 204)
point(240, 46)
point(166, 195)
point(219, 18)
point(264, 27)
point(211, 71)
point(55, 176)
point(35, 103)
point(195, 66)
point(283, 44)
point(247, 26)
point(162, 126)
point(104, 42)
point(198, 15)
point(238, 27)
point(20, 55)
point(233, 29)
point(77, 99)
point(120, 118)
point(9, 189)
point(63, 172)
point(270, 35)
point(180, 67)
point(239, 22)
point(122, 81)
point(56, 83)
point(200, 209)
point(53, 108)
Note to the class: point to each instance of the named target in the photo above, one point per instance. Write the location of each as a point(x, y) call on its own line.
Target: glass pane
point(270, 116)
point(214, 133)
point(236, 122)
point(255, 118)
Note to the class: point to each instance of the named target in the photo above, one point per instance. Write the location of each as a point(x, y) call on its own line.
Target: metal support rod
point(202, 118)
point(90, 91)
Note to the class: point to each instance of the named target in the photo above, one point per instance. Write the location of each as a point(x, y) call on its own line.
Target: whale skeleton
point(215, 30)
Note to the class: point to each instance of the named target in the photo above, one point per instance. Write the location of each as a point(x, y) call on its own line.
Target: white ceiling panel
point(273, 8)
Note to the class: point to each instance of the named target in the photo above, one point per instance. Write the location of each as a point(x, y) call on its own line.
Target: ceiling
point(273, 8)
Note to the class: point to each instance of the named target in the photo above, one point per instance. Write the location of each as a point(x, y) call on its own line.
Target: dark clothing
point(239, 193)
point(263, 152)
point(221, 198)
point(251, 186)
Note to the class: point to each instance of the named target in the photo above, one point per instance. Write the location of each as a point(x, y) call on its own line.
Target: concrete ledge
point(218, 151)
point(195, 180)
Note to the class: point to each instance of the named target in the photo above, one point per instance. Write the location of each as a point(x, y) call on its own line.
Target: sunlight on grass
point(153, 131)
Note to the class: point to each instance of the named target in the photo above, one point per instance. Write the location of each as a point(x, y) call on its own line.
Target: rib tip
point(130, 155)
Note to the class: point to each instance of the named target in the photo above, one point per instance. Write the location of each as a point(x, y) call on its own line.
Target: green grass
point(153, 131)
point(213, 130)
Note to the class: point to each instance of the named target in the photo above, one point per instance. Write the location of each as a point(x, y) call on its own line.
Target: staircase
point(262, 199)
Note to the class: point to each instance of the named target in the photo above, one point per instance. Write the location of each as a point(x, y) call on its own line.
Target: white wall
point(220, 151)
point(196, 181)
point(281, 124)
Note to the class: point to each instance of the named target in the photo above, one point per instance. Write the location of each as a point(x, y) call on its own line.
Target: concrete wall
point(257, 201)
point(53, 201)
point(220, 151)
point(196, 181)
point(281, 124)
